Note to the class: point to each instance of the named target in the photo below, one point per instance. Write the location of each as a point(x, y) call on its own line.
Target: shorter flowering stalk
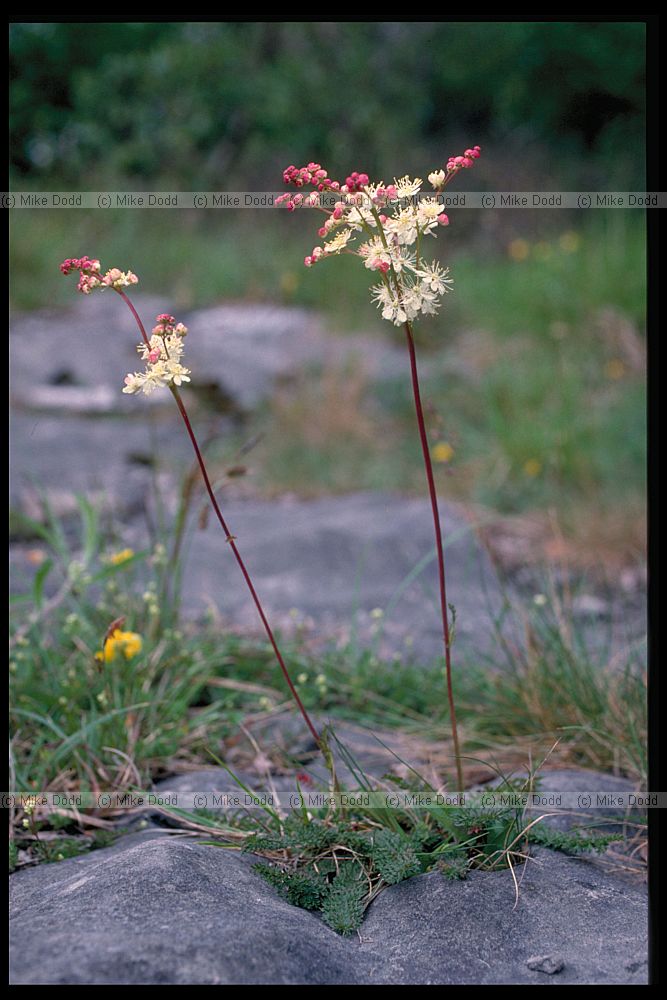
point(162, 352)
point(389, 220)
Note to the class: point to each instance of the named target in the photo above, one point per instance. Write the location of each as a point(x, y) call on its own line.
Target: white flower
point(429, 304)
point(177, 372)
point(115, 278)
point(358, 216)
point(434, 278)
point(339, 242)
point(420, 297)
point(428, 211)
point(437, 179)
point(393, 308)
point(403, 226)
point(170, 348)
point(134, 382)
point(372, 189)
point(162, 355)
point(406, 188)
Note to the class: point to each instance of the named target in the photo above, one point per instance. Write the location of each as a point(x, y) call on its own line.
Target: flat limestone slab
point(158, 909)
point(336, 559)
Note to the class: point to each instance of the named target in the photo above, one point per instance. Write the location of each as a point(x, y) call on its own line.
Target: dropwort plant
point(385, 226)
point(162, 353)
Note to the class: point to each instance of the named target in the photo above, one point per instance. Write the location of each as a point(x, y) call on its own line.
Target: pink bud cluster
point(88, 272)
point(467, 160)
point(79, 264)
point(313, 174)
point(314, 257)
point(356, 182)
point(166, 325)
point(90, 276)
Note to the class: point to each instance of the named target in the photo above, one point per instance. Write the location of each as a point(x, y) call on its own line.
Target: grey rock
point(104, 458)
point(546, 963)
point(248, 348)
point(335, 560)
point(159, 909)
point(91, 345)
point(434, 931)
point(605, 818)
point(588, 605)
point(154, 909)
point(72, 398)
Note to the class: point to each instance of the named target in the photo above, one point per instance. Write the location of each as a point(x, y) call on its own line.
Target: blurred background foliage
point(228, 103)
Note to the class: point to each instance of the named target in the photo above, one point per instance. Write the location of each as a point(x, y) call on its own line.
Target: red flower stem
point(439, 547)
point(228, 535)
point(144, 335)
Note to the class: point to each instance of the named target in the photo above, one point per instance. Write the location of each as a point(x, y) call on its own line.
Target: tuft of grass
point(81, 724)
point(337, 857)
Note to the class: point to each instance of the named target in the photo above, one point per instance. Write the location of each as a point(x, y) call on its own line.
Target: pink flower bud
point(443, 220)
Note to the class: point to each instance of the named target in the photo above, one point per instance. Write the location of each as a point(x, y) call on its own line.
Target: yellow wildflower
point(443, 452)
point(117, 558)
point(518, 249)
point(614, 369)
point(569, 241)
point(532, 467)
point(127, 643)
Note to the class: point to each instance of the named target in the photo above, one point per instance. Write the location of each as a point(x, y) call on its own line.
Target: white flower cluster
point(393, 219)
point(163, 362)
point(417, 292)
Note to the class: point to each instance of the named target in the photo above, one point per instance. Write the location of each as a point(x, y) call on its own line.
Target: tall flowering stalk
point(162, 353)
point(385, 226)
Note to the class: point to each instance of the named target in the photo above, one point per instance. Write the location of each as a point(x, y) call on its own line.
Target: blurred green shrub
point(220, 103)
